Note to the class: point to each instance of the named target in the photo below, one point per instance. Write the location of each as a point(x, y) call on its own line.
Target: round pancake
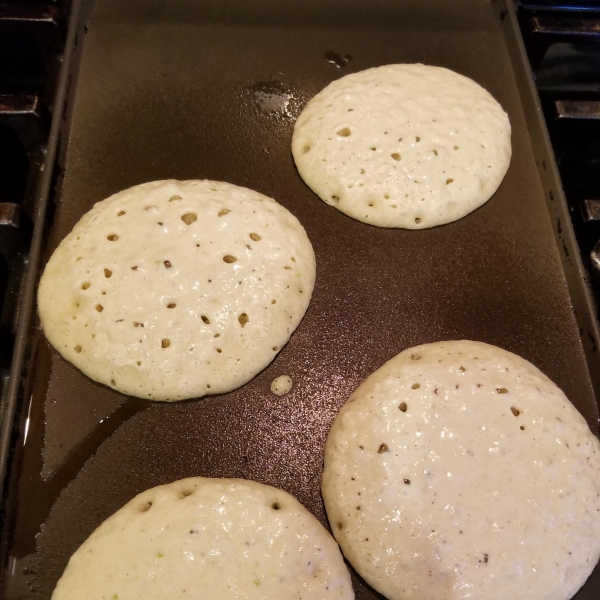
point(282, 385)
point(406, 145)
point(177, 289)
point(458, 470)
point(213, 539)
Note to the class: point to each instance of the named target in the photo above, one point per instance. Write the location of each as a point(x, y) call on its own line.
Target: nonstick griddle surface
point(194, 90)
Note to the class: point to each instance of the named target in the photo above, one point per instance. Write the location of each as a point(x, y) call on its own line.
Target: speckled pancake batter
point(459, 471)
point(177, 289)
point(406, 145)
point(208, 539)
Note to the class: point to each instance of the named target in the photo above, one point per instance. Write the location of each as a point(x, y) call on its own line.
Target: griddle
point(191, 89)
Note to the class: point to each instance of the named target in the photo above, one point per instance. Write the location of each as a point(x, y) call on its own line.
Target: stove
point(562, 40)
point(37, 37)
point(563, 43)
point(32, 43)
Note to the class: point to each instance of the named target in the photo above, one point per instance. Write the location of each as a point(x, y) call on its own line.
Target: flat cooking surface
point(212, 90)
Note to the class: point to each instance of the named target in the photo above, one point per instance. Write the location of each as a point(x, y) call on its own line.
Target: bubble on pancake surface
point(409, 146)
point(465, 460)
point(144, 307)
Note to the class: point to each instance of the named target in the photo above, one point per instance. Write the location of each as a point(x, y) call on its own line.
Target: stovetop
point(32, 39)
point(563, 43)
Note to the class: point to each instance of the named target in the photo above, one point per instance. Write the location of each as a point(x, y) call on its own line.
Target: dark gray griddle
point(200, 89)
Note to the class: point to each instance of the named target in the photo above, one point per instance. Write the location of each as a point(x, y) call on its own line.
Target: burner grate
point(32, 39)
point(563, 44)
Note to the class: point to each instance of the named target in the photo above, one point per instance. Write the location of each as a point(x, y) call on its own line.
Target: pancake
point(405, 145)
point(458, 470)
point(282, 385)
point(177, 289)
point(213, 539)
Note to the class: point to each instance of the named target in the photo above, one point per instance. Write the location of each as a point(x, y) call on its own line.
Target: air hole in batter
point(189, 218)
